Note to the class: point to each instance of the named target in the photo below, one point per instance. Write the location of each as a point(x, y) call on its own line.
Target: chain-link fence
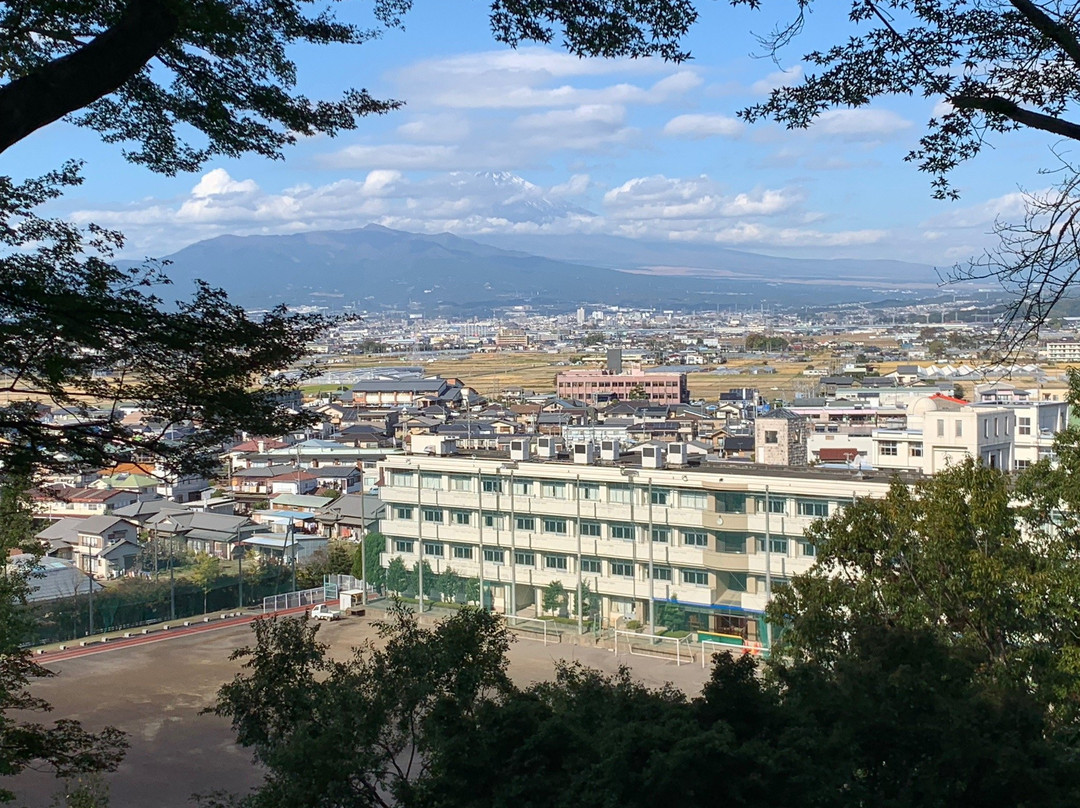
point(133, 602)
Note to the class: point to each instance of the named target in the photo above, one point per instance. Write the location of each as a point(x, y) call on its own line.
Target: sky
point(642, 149)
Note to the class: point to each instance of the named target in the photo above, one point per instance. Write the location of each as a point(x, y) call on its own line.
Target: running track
point(159, 635)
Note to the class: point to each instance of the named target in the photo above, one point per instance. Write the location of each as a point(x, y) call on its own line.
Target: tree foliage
point(997, 67)
point(375, 719)
point(62, 747)
point(957, 556)
point(905, 719)
point(82, 334)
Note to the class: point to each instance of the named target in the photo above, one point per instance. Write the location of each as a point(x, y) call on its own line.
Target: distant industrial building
point(598, 386)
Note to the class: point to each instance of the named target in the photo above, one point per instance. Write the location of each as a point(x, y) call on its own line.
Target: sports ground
point(155, 688)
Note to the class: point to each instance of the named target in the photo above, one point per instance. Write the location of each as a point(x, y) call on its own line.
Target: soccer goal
point(530, 626)
point(656, 646)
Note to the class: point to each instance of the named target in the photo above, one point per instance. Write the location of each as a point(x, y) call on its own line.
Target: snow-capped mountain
point(503, 195)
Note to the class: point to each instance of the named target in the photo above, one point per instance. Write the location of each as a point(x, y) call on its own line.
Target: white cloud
point(703, 126)
point(218, 182)
point(777, 79)
point(861, 123)
point(697, 199)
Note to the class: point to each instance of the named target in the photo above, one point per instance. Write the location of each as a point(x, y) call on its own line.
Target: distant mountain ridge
point(380, 268)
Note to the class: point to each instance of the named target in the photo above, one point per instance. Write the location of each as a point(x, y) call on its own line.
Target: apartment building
point(712, 537)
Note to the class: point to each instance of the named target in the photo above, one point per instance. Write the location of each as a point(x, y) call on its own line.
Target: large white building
point(691, 534)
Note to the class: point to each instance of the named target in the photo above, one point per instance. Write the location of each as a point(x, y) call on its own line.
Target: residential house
point(59, 501)
point(350, 516)
point(212, 533)
point(105, 546)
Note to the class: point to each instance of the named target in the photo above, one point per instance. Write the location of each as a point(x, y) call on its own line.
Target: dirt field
point(155, 692)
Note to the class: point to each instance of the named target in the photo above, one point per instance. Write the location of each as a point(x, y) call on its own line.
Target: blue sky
point(641, 149)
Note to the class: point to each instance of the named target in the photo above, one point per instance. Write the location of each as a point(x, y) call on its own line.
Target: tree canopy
point(995, 66)
point(181, 81)
point(904, 719)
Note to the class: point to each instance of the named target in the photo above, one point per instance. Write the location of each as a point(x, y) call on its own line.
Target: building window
point(525, 559)
point(525, 522)
point(889, 448)
point(776, 504)
point(621, 531)
point(621, 569)
point(591, 565)
point(813, 507)
point(776, 545)
point(556, 562)
point(661, 535)
point(523, 488)
point(619, 494)
point(401, 479)
point(431, 482)
point(809, 549)
point(495, 556)
point(1023, 425)
point(433, 515)
point(401, 546)
point(433, 549)
point(491, 485)
point(403, 512)
point(659, 496)
point(661, 573)
point(941, 427)
point(464, 553)
point(462, 518)
point(959, 429)
point(916, 450)
point(730, 503)
point(589, 491)
point(553, 490)
point(697, 500)
point(695, 577)
point(1022, 464)
point(557, 526)
point(495, 520)
point(771, 436)
point(461, 482)
point(695, 538)
point(590, 529)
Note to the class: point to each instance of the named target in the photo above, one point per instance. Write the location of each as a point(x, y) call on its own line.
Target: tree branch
point(1050, 28)
point(96, 69)
point(997, 105)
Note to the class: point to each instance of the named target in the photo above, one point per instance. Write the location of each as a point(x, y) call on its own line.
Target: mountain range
point(377, 268)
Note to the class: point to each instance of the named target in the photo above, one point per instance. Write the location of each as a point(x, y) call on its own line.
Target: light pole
point(577, 530)
point(419, 545)
point(652, 581)
point(630, 474)
point(480, 528)
point(768, 568)
point(513, 541)
point(240, 558)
